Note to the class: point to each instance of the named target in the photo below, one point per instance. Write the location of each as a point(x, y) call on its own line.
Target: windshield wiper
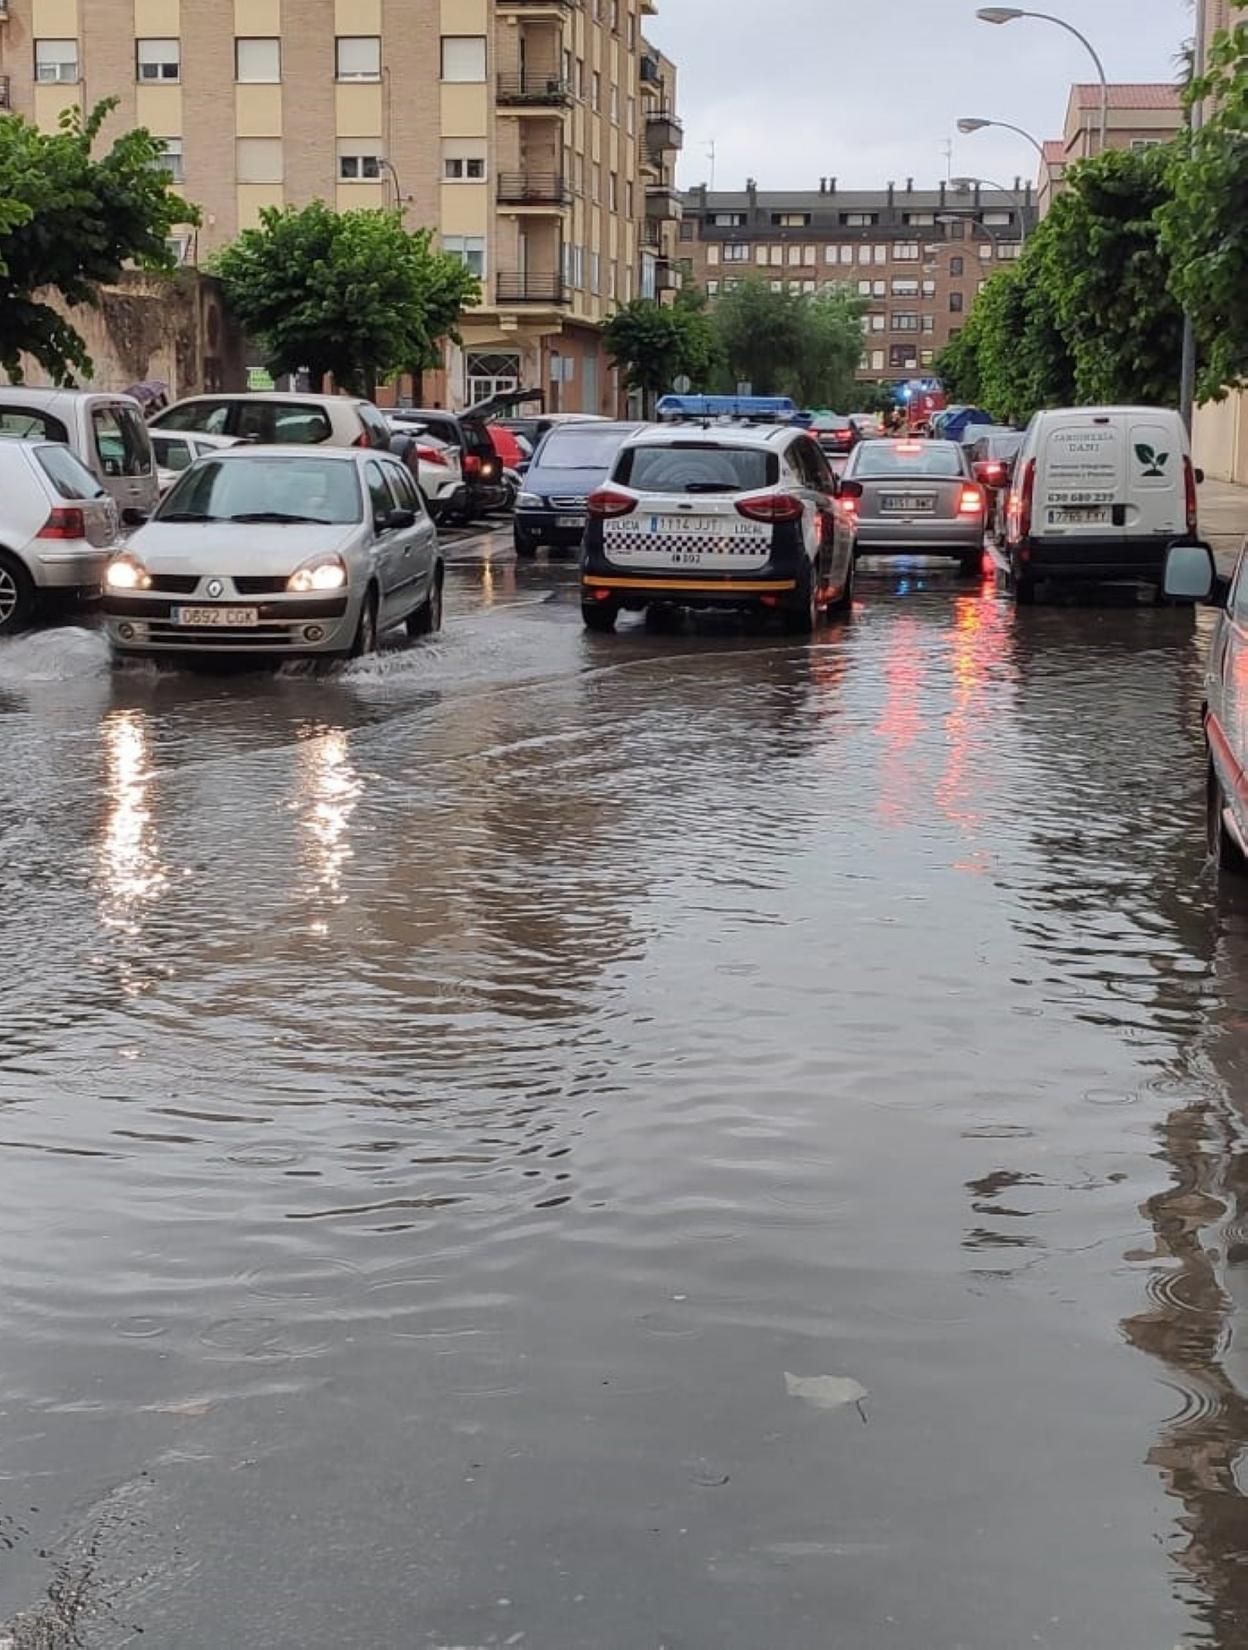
point(188, 515)
point(278, 516)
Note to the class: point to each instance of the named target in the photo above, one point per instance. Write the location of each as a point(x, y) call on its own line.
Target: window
point(902, 355)
point(1138, 146)
point(631, 116)
point(302, 426)
point(790, 220)
point(955, 303)
point(69, 475)
point(880, 254)
point(905, 289)
point(595, 180)
point(712, 254)
point(906, 252)
point(630, 31)
point(686, 225)
point(56, 60)
point(760, 254)
point(929, 323)
point(776, 286)
point(917, 218)
point(776, 254)
point(878, 322)
point(463, 161)
point(405, 489)
point(463, 57)
point(957, 266)
point(985, 250)
point(685, 467)
point(858, 220)
point(358, 57)
point(171, 158)
point(998, 220)
point(121, 442)
point(469, 249)
point(847, 254)
point(613, 191)
point(879, 288)
point(613, 279)
point(595, 91)
point(615, 15)
point(812, 257)
point(864, 289)
point(795, 255)
point(595, 279)
point(630, 209)
point(580, 78)
point(981, 286)
point(380, 498)
point(712, 289)
point(158, 60)
point(258, 160)
point(877, 360)
point(258, 62)
point(905, 320)
point(357, 164)
point(727, 220)
point(615, 103)
point(926, 357)
point(929, 289)
point(736, 252)
point(1009, 250)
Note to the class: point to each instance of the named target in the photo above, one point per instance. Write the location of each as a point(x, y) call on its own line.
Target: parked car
point(868, 425)
point(730, 515)
point(176, 452)
point(1190, 575)
point(572, 460)
point(837, 436)
point(105, 432)
point(1098, 495)
point(535, 427)
point(992, 459)
point(276, 417)
point(58, 528)
point(511, 454)
point(437, 467)
point(279, 551)
point(484, 488)
point(912, 497)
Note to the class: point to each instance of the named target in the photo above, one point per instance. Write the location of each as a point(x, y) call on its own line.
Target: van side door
point(120, 454)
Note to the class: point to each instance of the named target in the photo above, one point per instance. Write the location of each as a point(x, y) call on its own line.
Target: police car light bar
point(776, 408)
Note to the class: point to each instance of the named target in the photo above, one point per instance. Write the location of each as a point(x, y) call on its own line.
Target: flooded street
point(675, 1141)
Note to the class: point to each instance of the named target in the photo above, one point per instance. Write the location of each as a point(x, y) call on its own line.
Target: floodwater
point(680, 1141)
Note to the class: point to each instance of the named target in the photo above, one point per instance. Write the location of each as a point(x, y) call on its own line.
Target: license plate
point(569, 521)
point(1079, 516)
point(235, 618)
point(908, 504)
point(719, 527)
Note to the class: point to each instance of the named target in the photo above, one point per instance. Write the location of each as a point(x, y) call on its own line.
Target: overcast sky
point(868, 90)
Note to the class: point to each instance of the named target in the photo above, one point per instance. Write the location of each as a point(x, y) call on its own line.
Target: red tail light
point(607, 502)
point(1021, 501)
point(971, 503)
point(472, 464)
point(432, 455)
point(64, 524)
point(363, 439)
point(1189, 484)
point(770, 507)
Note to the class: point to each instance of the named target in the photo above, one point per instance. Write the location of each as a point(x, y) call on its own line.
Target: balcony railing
point(666, 276)
point(520, 287)
point(533, 189)
point(5, 94)
point(540, 91)
point(651, 234)
point(663, 202)
point(664, 129)
point(648, 71)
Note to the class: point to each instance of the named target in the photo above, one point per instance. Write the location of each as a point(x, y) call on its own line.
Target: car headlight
point(529, 501)
point(127, 573)
point(320, 574)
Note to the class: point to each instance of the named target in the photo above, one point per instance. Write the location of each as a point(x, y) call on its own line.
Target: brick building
point(533, 134)
point(918, 256)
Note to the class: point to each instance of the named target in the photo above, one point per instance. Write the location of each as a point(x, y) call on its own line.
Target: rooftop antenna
point(710, 155)
point(947, 146)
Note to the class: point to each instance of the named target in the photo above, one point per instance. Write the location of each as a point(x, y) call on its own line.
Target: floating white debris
point(825, 1391)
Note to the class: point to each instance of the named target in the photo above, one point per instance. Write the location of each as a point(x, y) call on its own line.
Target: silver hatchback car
point(915, 498)
point(279, 550)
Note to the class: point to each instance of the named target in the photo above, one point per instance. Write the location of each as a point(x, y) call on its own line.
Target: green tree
point(69, 222)
point(354, 294)
point(830, 349)
point(1204, 226)
point(760, 334)
point(654, 344)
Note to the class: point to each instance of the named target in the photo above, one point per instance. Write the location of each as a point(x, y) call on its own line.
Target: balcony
point(664, 130)
point(531, 90)
point(651, 235)
point(664, 204)
point(650, 75)
point(541, 189)
point(5, 95)
point(520, 287)
point(666, 276)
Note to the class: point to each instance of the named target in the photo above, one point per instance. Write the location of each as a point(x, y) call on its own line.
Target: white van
point(104, 431)
point(1098, 494)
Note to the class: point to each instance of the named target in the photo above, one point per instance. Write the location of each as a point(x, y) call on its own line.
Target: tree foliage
point(1204, 225)
point(830, 350)
point(69, 222)
point(806, 345)
point(354, 294)
point(654, 344)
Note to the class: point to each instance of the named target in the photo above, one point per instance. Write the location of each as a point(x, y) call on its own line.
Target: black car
point(992, 455)
point(571, 462)
point(484, 488)
point(836, 435)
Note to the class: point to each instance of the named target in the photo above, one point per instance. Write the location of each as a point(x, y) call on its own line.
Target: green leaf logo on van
point(1154, 463)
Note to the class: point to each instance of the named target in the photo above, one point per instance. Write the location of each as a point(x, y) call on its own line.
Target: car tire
point(427, 619)
point(600, 617)
point(525, 543)
point(1223, 848)
point(844, 603)
point(803, 619)
point(365, 642)
point(17, 596)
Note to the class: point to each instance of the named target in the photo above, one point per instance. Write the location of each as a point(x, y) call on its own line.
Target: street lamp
point(1187, 369)
point(1011, 14)
point(962, 186)
point(389, 166)
point(972, 124)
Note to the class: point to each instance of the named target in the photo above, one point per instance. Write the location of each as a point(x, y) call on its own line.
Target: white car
point(177, 451)
point(58, 528)
point(437, 465)
point(279, 418)
point(279, 551)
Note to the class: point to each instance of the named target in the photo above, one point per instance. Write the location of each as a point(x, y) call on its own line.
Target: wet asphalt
point(681, 1141)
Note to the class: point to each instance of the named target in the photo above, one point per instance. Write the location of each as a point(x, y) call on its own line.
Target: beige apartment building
point(534, 135)
point(1140, 115)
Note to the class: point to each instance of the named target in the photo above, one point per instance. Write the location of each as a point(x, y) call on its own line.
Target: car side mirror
point(132, 516)
point(1191, 574)
point(849, 488)
point(393, 521)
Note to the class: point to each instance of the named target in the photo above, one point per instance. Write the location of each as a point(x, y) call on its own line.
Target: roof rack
point(750, 409)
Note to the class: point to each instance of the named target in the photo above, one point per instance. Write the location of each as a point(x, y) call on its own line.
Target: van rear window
point(697, 467)
point(31, 424)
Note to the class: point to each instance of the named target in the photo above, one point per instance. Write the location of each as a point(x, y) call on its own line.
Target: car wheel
point(366, 634)
point(1222, 845)
point(427, 619)
point(600, 616)
point(845, 601)
point(802, 620)
point(526, 544)
point(17, 596)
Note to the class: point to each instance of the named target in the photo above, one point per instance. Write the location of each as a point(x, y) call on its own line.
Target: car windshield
point(907, 458)
point(697, 467)
point(585, 448)
point(262, 488)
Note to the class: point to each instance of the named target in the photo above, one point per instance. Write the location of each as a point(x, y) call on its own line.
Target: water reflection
point(329, 790)
point(130, 868)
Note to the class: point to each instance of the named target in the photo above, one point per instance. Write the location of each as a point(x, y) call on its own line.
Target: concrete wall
point(171, 328)
point(1220, 439)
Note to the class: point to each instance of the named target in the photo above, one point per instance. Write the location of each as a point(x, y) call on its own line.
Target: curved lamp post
point(1011, 14)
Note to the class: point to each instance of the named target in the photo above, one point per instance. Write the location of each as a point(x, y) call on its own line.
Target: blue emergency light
point(773, 407)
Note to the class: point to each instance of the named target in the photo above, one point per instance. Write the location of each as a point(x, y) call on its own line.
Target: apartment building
point(521, 129)
point(917, 256)
point(1139, 116)
point(664, 138)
